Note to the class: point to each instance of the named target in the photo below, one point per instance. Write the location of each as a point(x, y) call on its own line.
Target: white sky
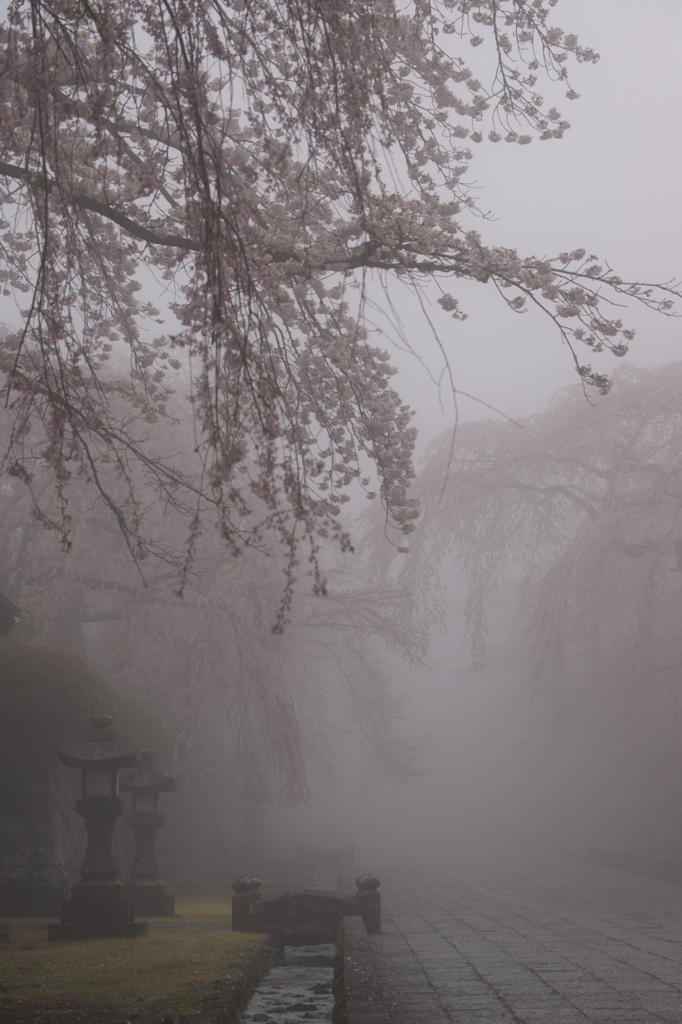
point(612, 185)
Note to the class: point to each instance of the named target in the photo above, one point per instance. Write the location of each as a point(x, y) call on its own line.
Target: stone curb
point(227, 997)
point(357, 995)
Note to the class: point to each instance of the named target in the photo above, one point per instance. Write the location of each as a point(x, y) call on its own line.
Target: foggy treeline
point(543, 570)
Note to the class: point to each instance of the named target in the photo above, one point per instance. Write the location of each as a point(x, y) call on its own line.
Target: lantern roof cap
point(101, 751)
point(147, 778)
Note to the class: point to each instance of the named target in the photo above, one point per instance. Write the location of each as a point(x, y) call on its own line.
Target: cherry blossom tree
point(266, 705)
point(581, 508)
point(243, 170)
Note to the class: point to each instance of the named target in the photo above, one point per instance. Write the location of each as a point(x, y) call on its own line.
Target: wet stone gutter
point(298, 991)
point(358, 998)
point(293, 993)
point(227, 997)
point(311, 984)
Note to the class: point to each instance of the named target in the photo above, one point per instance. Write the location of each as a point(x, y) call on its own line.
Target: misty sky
point(612, 185)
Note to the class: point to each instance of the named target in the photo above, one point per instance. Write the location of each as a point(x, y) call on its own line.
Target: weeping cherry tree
point(242, 171)
point(581, 509)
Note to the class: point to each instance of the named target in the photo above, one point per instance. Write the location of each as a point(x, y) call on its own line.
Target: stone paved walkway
point(542, 940)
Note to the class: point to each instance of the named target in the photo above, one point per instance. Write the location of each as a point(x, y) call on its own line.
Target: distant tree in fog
point(249, 165)
point(582, 506)
point(210, 663)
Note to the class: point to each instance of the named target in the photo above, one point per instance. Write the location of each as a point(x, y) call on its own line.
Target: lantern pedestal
point(96, 919)
point(146, 889)
point(97, 907)
point(151, 904)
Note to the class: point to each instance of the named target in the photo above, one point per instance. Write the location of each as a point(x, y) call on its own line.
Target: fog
point(341, 500)
point(493, 763)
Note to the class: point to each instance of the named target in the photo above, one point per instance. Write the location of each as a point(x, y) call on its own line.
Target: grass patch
point(162, 974)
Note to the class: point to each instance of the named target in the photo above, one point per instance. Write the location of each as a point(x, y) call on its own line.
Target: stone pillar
point(99, 875)
point(369, 901)
point(246, 893)
point(146, 888)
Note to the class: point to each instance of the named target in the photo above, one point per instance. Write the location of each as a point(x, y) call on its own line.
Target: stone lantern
point(97, 907)
point(146, 889)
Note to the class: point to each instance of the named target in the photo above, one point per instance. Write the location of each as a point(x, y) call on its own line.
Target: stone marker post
point(246, 893)
point(369, 901)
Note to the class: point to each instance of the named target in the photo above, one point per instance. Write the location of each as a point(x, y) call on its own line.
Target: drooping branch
point(551, 489)
point(106, 210)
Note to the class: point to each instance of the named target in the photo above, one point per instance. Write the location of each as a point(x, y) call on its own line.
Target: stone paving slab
point(528, 939)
